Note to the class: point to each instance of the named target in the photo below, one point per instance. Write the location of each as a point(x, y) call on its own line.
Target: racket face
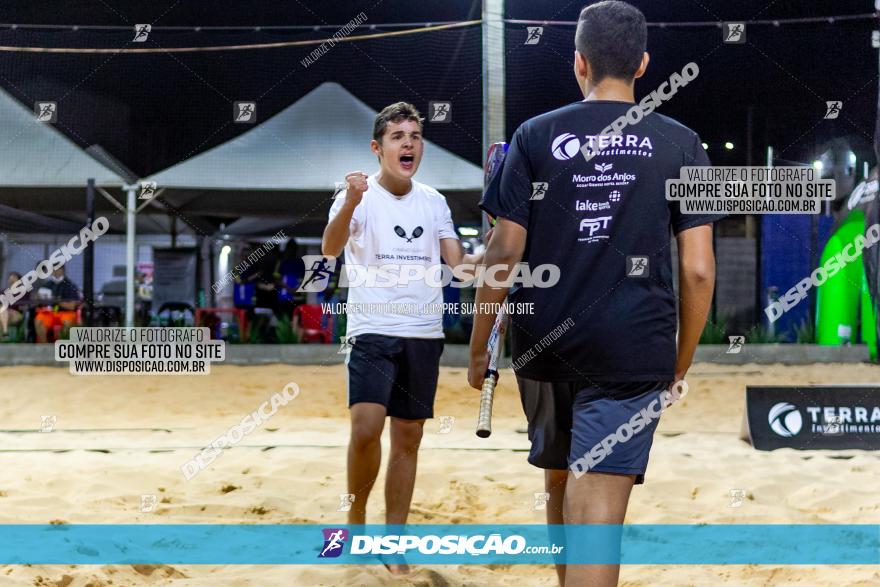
point(399, 232)
point(494, 159)
point(494, 344)
point(492, 171)
point(418, 232)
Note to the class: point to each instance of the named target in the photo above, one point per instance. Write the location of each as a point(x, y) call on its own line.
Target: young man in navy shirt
point(601, 345)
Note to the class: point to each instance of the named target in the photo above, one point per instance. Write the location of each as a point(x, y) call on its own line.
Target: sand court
point(116, 439)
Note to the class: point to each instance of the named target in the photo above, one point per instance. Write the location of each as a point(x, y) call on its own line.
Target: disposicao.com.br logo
point(450, 544)
point(334, 542)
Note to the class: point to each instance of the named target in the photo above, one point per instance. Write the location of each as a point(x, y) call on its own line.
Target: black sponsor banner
point(814, 417)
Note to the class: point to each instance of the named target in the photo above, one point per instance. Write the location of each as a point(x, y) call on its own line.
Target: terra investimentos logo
point(785, 419)
point(565, 146)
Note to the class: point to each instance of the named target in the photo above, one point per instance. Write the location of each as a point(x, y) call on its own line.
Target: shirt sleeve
point(696, 158)
point(445, 226)
point(358, 219)
point(508, 195)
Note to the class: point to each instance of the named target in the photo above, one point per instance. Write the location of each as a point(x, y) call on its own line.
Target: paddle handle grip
point(487, 397)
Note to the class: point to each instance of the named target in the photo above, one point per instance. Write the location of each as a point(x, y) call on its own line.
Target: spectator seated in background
point(14, 314)
point(64, 297)
point(289, 272)
point(255, 284)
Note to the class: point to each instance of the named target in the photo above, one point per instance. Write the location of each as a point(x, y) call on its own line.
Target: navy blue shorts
point(399, 373)
point(571, 423)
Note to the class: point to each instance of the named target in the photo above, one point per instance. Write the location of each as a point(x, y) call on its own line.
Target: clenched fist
point(357, 185)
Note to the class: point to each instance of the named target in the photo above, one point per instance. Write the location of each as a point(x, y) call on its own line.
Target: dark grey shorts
point(569, 422)
point(399, 373)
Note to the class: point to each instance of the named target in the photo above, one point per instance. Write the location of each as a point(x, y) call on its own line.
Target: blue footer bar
point(661, 544)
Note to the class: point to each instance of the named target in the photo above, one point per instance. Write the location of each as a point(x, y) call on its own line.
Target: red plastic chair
point(311, 322)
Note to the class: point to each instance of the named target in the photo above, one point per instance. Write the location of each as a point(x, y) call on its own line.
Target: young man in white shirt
point(390, 219)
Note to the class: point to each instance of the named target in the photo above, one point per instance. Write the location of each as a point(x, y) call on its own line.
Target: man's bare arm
point(338, 230)
point(453, 253)
point(505, 248)
point(696, 283)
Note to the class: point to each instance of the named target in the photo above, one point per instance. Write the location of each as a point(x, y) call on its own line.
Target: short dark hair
point(397, 112)
point(612, 36)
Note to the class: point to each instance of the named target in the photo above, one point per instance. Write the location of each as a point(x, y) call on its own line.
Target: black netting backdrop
point(785, 73)
point(151, 111)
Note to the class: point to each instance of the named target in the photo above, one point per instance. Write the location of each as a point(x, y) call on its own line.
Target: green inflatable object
point(869, 332)
point(838, 299)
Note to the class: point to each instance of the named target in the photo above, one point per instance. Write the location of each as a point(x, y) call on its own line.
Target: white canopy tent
point(309, 146)
point(36, 154)
point(305, 148)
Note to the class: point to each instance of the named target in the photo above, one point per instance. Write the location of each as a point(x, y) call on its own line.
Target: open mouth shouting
point(407, 162)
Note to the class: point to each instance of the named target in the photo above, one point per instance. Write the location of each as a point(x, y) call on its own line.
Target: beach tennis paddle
point(492, 180)
point(487, 392)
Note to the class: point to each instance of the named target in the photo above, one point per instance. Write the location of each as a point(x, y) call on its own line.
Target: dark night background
point(152, 111)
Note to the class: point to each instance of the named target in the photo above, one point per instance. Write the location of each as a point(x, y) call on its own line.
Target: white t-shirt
point(394, 230)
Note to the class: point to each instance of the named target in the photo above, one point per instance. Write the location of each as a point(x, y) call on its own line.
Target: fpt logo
point(334, 541)
point(565, 146)
point(785, 419)
point(594, 224)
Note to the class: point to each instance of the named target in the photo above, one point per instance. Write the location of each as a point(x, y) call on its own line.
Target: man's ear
point(581, 66)
point(643, 66)
point(376, 148)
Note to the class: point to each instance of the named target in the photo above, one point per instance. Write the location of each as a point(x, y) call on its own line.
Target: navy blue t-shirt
point(599, 221)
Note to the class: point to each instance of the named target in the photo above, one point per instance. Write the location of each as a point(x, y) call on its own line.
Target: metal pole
point(89, 258)
point(130, 260)
point(493, 69)
point(493, 73)
point(760, 293)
